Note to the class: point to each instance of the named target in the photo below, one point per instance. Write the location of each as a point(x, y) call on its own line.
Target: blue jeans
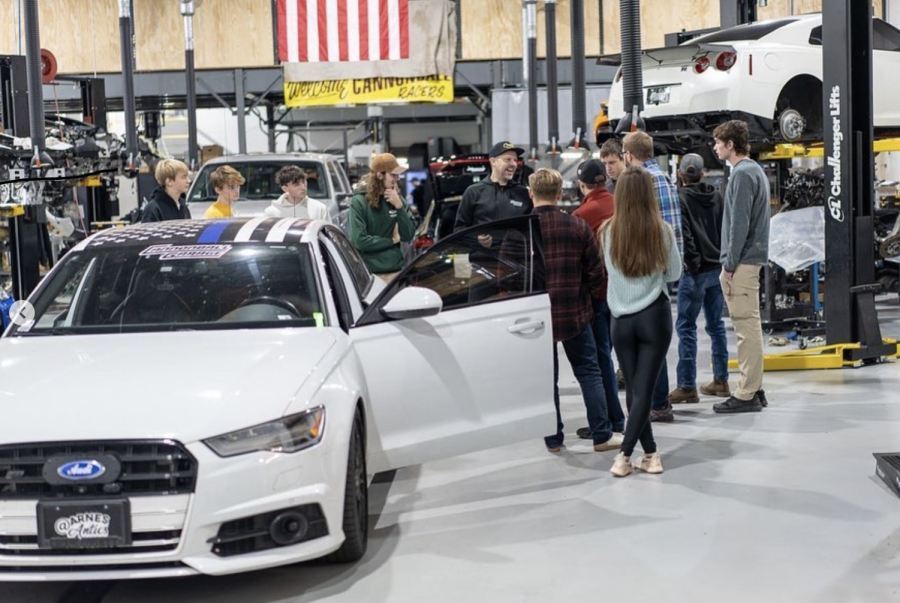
point(695, 292)
point(582, 354)
point(601, 329)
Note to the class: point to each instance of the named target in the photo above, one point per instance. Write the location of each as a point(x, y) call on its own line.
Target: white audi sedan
point(768, 74)
point(210, 397)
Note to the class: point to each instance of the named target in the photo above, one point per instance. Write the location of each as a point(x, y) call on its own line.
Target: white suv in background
point(326, 179)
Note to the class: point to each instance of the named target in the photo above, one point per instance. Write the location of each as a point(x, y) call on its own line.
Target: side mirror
point(343, 200)
point(413, 302)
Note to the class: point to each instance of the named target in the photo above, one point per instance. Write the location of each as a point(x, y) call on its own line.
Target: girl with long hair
point(641, 257)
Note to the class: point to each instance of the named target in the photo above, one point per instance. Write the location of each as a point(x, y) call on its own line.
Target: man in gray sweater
point(745, 247)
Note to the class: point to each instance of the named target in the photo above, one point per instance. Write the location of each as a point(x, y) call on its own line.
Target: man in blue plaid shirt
point(638, 149)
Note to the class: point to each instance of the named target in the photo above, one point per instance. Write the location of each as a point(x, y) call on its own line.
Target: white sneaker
point(622, 466)
point(651, 463)
point(613, 443)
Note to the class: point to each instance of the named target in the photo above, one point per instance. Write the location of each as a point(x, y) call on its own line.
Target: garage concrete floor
point(779, 506)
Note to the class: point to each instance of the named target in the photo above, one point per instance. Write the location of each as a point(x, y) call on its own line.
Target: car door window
point(483, 264)
point(361, 275)
point(336, 183)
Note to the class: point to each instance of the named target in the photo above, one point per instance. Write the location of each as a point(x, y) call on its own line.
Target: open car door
point(478, 373)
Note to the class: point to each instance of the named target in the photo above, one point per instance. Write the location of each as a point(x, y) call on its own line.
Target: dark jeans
point(601, 327)
point(582, 354)
point(642, 341)
point(695, 292)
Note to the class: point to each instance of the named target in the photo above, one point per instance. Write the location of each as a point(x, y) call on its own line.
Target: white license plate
point(658, 96)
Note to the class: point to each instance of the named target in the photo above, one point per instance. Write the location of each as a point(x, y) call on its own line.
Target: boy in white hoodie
point(294, 203)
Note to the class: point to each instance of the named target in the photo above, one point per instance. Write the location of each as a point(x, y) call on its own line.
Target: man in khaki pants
point(745, 248)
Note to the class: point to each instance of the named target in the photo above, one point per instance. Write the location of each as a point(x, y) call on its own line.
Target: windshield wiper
point(53, 331)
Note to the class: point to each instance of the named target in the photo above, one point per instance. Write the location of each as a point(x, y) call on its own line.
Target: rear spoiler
point(686, 53)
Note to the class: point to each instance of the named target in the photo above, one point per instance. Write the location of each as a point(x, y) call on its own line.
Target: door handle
point(524, 328)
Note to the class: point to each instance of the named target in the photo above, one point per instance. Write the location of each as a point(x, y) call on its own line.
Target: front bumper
point(227, 490)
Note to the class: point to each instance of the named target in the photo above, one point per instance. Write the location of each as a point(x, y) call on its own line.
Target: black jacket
point(162, 207)
point(701, 223)
point(487, 201)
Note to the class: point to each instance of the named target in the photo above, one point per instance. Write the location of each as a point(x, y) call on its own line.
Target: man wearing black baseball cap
point(496, 197)
point(597, 208)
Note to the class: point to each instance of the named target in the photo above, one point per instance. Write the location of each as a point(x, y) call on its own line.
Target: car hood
point(185, 385)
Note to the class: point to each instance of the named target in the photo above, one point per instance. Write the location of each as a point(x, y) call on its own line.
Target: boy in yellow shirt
point(226, 181)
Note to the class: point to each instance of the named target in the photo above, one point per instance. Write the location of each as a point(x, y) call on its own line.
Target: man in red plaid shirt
point(574, 277)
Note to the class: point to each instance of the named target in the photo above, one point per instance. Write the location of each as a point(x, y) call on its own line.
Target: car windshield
point(260, 176)
point(131, 289)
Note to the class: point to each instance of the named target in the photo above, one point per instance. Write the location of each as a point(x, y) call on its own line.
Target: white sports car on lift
point(210, 396)
point(767, 73)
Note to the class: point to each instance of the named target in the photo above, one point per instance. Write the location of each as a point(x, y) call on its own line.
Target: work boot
point(761, 394)
point(680, 395)
point(734, 405)
point(718, 387)
point(663, 415)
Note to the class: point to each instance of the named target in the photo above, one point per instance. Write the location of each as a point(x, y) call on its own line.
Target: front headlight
point(289, 434)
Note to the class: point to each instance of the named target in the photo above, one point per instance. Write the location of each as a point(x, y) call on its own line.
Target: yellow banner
point(434, 89)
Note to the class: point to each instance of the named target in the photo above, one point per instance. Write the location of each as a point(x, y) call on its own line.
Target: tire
point(356, 500)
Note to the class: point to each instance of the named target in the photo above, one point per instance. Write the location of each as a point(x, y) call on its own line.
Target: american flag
point(336, 31)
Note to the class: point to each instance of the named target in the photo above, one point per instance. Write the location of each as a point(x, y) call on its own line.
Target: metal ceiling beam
point(167, 89)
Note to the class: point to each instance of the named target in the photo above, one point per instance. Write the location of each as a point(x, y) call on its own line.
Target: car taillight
point(619, 74)
point(726, 60)
point(423, 243)
point(701, 65)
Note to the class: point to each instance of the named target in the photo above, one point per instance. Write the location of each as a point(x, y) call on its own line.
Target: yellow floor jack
point(840, 355)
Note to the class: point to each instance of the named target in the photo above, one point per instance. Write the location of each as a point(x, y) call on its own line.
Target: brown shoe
point(718, 387)
point(662, 416)
point(682, 396)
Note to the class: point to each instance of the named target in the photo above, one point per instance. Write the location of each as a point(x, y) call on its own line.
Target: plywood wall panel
point(82, 34)
point(227, 36)
point(782, 8)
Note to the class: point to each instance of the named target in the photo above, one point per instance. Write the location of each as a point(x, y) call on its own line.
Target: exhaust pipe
point(632, 76)
point(530, 12)
point(579, 89)
point(126, 37)
point(35, 82)
point(187, 10)
point(552, 80)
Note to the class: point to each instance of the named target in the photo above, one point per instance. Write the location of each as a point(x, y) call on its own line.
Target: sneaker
point(613, 443)
point(556, 449)
point(718, 387)
point(733, 405)
point(651, 463)
point(664, 415)
point(620, 378)
point(583, 433)
point(681, 395)
point(761, 394)
point(622, 466)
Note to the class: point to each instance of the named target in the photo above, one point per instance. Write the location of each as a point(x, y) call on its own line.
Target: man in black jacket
point(699, 288)
point(496, 197)
point(167, 201)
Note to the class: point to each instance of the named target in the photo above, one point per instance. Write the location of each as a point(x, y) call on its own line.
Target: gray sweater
point(745, 224)
point(631, 295)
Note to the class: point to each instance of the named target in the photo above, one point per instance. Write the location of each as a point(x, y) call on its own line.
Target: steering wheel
point(272, 301)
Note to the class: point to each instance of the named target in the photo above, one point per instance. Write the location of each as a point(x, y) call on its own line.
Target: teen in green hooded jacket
point(380, 219)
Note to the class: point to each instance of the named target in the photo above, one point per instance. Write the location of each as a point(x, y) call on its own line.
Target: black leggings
point(642, 341)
